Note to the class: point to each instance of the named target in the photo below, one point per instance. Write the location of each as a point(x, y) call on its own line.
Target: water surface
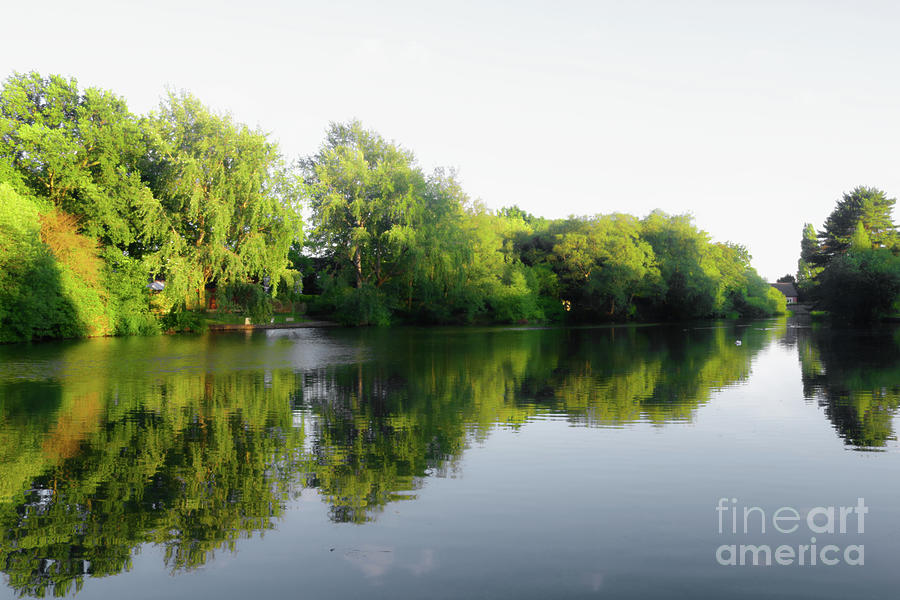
point(494, 463)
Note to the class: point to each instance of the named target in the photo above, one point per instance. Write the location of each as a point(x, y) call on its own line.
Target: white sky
point(754, 116)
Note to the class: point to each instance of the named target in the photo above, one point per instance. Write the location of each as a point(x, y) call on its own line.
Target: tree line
point(96, 201)
point(851, 267)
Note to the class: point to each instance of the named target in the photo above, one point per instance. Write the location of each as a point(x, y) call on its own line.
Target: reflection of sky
point(376, 561)
point(296, 349)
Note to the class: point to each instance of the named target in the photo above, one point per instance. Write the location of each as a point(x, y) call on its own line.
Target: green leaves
point(78, 149)
point(604, 265)
point(367, 199)
point(224, 207)
point(49, 275)
point(869, 207)
point(194, 198)
point(851, 268)
point(184, 194)
point(861, 285)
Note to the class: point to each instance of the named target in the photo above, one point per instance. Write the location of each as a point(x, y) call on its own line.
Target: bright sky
point(753, 116)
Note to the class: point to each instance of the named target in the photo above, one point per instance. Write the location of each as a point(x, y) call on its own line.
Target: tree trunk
point(357, 262)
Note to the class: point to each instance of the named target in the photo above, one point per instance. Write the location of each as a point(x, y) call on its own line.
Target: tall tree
point(78, 149)
point(865, 205)
point(689, 288)
point(810, 253)
point(366, 196)
point(603, 265)
point(811, 260)
point(225, 210)
point(435, 285)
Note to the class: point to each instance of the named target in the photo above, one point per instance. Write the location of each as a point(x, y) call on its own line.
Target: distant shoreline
point(252, 326)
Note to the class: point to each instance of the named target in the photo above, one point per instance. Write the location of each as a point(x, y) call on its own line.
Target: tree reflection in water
point(98, 458)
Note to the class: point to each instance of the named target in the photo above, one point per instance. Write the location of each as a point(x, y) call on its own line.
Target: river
point(632, 462)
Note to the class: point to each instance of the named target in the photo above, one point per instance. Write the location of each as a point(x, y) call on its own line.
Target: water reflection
point(855, 377)
point(193, 443)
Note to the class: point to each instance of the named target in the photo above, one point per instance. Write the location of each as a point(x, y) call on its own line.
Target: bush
point(356, 306)
point(182, 320)
point(512, 300)
point(248, 299)
point(50, 276)
point(126, 279)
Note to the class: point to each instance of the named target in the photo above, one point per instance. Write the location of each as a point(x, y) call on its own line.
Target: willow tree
point(435, 288)
point(225, 207)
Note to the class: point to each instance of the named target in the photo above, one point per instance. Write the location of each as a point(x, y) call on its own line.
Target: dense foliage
point(402, 246)
point(98, 202)
point(851, 268)
point(54, 282)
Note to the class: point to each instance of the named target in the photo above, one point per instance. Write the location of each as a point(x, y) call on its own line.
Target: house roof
point(788, 289)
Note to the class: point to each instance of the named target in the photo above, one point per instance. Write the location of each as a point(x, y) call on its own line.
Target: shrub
point(50, 276)
point(512, 300)
point(248, 299)
point(130, 301)
point(356, 306)
point(181, 320)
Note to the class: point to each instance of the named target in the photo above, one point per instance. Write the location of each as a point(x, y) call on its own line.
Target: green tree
point(740, 289)
point(225, 207)
point(436, 288)
point(689, 288)
point(811, 260)
point(366, 196)
point(506, 287)
point(853, 272)
point(603, 265)
point(861, 285)
point(860, 239)
point(79, 149)
point(514, 212)
point(867, 206)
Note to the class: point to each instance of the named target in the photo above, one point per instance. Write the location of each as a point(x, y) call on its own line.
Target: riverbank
point(288, 325)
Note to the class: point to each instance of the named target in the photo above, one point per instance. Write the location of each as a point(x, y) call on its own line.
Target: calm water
point(441, 463)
